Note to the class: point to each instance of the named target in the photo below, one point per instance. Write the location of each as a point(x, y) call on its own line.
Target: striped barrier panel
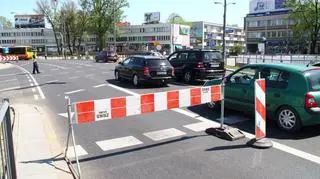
point(260, 108)
point(104, 109)
point(8, 58)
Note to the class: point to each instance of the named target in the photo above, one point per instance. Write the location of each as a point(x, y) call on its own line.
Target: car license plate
point(161, 73)
point(215, 65)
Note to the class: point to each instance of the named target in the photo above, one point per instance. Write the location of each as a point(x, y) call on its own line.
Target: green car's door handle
point(277, 95)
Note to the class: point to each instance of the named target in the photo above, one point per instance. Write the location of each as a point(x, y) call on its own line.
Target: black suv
point(139, 69)
point(197, 64)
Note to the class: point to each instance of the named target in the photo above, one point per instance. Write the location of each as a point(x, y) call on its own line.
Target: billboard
point(152, 17)
point(260, 6)
point(29, 21)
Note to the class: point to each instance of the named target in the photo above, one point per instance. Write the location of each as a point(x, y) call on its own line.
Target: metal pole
point(224, 31)
point(114, 26)
point(73, 138)
point(11, 160)
point(222, 102)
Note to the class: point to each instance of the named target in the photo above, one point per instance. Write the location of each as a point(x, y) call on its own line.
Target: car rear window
point(212, 56)
point(156, 62)
point(313, 77)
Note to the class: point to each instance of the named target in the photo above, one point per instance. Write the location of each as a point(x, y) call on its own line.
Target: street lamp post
point(225, 4)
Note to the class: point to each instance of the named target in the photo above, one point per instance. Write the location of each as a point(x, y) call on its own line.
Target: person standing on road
point(35, 64)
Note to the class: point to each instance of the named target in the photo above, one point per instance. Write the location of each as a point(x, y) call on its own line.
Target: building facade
point(131, 38)
point(161, 37)
point(206, 35)
point(269, 29)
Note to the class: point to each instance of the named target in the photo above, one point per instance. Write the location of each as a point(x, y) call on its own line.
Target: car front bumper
point(207, 74)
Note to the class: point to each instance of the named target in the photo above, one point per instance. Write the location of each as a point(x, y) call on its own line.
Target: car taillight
point(172, 71)
point(200, 65)
point(310, 102)
point(146, 71)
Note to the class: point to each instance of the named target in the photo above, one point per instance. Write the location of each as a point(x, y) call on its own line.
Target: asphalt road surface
point(169, 144)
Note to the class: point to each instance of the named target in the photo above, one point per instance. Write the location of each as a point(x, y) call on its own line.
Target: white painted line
point(124, 90)
point(73, 77)
point(234, 119)
point(34, 81)
point(106, 72)
point(29, 80)
point(52, 81)
point(118, 143)
point(5, 81)
point(8, 89)
point(79, 150)
point(55, 69)
point(36, 97)
point(164, 134)
point(33, 90)
point(284, 148)
point(200, 126)
point(75, 91)
point(66, 114)
point(64, 73)
point(31, 84)
point(98, 86)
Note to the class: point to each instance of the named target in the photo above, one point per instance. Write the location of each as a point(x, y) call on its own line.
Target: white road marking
point(31, 84)
point(284, 148)
point(66, 114)
point(98, 86)
point(34, 81)
point(89, 75)
point(5, 81)
point(36, 97)
point(55, 69)
point(30, 80)
point(11, 88)
point(73, 77)
point(106, 72)
point(64, 73)
point(124, 90)
point(200, 126)
point(79, 150)
point(118, 143)
point(75, 91)
point(52, 81)
point(33, 90)
point(164, 134)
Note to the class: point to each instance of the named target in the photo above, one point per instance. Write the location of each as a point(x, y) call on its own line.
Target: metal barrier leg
point(71, 134)
point(224, 132)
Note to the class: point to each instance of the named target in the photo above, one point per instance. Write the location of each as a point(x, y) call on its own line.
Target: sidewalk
point(37, 152)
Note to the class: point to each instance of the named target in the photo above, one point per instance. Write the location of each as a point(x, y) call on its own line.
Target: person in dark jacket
point(35, 64)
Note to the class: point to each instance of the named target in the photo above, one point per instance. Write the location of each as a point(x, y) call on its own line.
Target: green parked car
point(292, 93)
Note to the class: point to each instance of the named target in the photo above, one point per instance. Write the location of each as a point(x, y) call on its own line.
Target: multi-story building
point(161, 37)
point(208, 35)
point(269, 27)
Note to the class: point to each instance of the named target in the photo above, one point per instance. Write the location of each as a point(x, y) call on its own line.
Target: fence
point(288, 59)
point(7, 162)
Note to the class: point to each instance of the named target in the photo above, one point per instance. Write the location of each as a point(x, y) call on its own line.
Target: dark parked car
point(151, 53)
point(140, 69)
point(197, 64)
point(106, 56)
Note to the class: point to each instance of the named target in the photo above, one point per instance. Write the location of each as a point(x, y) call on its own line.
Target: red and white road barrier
point(104, 109)
point(8, 58)
point(260, 108)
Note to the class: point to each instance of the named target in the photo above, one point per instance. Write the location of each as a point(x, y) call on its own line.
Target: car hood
point(213, 82)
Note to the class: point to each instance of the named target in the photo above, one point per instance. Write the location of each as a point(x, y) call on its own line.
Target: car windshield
point(157, 62)
point(313, 77)
point(212, 56)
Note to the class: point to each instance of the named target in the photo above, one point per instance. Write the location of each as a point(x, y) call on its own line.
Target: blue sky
point(192, 10)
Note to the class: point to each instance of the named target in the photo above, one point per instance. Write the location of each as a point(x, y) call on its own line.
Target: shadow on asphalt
point(273, 132)
point(43, 84)
point(137, 149)
point(128, 85)
point(229, 147)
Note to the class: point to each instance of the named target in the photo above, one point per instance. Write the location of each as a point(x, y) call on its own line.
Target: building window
point(274, 34)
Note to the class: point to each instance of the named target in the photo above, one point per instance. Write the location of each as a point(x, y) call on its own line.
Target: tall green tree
point(103, 16)
point(5, 23)
point(177, 19)
point(50, 11)
point(306, 14)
